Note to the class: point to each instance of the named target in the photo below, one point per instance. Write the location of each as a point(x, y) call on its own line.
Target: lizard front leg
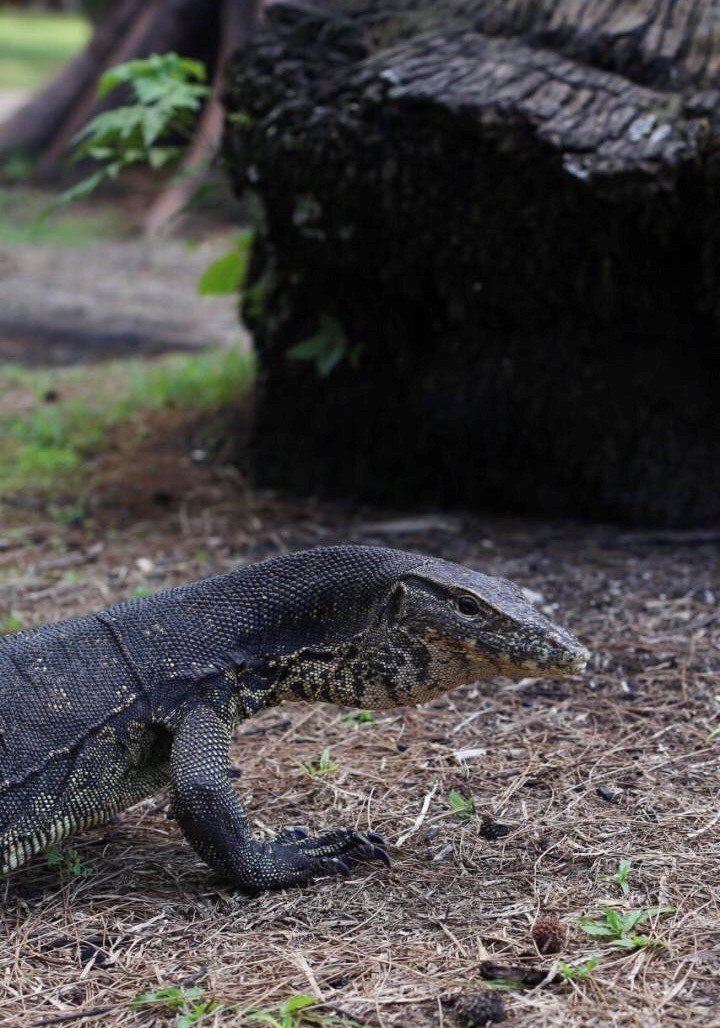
point(214, 823)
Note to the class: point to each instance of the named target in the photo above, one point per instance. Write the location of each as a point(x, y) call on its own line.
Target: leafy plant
point(168, 92)
point(65, 859)
point(323, 767)
point(578, 972)
point(622, 876)
point(327, 347)
point(188, 1002)
point(462, 806)
point(297, 1012)
point(618, 929)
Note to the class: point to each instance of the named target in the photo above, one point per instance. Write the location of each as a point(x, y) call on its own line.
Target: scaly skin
point(100, 711)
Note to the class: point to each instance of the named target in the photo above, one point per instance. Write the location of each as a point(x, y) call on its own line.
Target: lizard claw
point(339, 866)
point(380, 853)
point(290, 835)
point(347, 844)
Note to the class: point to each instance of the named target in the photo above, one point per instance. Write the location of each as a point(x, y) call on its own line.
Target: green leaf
point(581, 972)
point(622, 876)
point(326, 348)
point(614, 920)
point(159, 156)
point(297, 1003)
point(636, 917)
point(227, 273)
point(596, 928)
point(463, 806)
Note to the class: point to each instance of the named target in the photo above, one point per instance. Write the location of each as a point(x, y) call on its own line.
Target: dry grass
point(615, 763)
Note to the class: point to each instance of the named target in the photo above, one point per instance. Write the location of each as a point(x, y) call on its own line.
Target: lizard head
point(462, 625)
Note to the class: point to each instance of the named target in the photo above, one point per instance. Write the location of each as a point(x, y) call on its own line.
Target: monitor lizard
point(101, 711)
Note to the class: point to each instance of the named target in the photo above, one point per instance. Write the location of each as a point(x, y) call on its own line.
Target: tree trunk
point(510, 211)
point(208, 31)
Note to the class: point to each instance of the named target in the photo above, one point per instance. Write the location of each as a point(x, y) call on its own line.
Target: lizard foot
point(346, 845)
point(295, 858)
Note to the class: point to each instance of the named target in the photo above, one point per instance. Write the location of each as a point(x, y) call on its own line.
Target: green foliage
point(362, 717)
point(578, 972)
point(323, 767)
point(299, 1012)
point(12, 622)
point(327, 348)
point(622, 876)
point(168, 92)
point(141, 591)
point(35, 44)
point(618, 929)
point(65, 859)
point(462, 806)
point(48, 442)
point(227, 273)
point(188, 1002)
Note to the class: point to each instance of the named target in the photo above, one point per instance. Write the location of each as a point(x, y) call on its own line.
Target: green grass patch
point(48, 444)
point(35, 44)
point(22, 221)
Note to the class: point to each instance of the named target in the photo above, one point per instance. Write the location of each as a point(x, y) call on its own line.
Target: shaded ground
point(144, 301)
point(583, 772)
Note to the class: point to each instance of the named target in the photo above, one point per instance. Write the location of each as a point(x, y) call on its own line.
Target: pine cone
point(549, 934)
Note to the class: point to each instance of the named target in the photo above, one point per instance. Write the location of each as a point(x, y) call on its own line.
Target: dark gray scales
point(100, 711)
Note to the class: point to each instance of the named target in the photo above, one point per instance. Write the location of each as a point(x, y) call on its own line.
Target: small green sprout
point(462, 806)
point(362, 717)
point(621, 877)
point(65, 859)
point(578, 972)
point(323, 767)
point(299, 1012)
point(141, 591)
point(188, 1002)
point(617, 929)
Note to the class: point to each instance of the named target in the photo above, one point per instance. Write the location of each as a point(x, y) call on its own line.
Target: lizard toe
point(290, 835)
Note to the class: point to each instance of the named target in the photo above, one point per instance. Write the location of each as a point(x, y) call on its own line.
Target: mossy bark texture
point(511, 208)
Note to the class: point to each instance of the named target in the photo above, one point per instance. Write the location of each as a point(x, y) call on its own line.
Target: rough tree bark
point(511, 207)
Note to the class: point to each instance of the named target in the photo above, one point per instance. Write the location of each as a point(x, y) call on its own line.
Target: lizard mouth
point(568, 662)
point(574, 661)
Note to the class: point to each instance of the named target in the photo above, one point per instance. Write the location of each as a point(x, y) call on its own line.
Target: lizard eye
point(467, 606)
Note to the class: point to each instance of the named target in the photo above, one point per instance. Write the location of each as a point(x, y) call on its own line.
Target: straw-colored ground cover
point(567, 778)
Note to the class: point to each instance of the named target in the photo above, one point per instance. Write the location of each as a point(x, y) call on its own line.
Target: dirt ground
point(144, 301)
point(568, 777)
